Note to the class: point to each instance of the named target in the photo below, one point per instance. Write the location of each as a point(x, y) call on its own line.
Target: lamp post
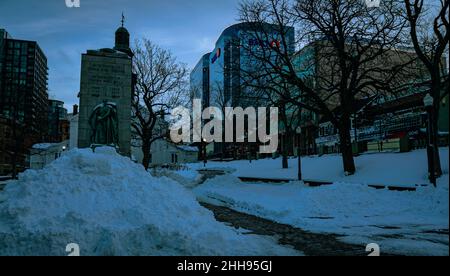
point(282, 132)
point(355, 126)
point(205, 160)
point(248, 148)
point(299, 153)
point(428, 101)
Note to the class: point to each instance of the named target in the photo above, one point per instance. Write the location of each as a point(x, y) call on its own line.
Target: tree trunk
point(285, 153)
point(222, 154)
point(146, 151)
point(436, 155)
point(284, 159)
point(14, 165)
point(346, 147)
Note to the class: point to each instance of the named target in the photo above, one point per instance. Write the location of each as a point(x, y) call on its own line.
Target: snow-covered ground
point(395, 169)
point(186, 177)
point(414, 223)
point(110, 206)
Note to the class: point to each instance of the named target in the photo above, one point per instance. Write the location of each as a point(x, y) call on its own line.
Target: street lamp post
point(428, 102)
point(299, 153)
point(249, 150)
point(205, 160)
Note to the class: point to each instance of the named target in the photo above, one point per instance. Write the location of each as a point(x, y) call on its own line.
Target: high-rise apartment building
point(23, 100)
point(23, 83)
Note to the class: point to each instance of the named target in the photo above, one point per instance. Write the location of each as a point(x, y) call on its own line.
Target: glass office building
point(199, 81)
point(231, 57)
point(23, 99)
point(219, 76)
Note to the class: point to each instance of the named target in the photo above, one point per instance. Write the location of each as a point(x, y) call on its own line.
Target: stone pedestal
point(106, 75)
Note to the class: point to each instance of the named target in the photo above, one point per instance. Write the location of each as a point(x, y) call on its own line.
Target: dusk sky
point(188, 28)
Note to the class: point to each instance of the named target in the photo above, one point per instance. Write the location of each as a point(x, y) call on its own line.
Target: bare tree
point(353, 55)
point(160, 86)
point(275, 92)
point(289, 116)
point(430, 43)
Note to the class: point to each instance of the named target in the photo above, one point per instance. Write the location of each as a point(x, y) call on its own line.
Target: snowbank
point(111, 206)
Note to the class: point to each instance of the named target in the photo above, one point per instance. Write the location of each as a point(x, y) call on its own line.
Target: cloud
point(206, 44)
point(188, 28)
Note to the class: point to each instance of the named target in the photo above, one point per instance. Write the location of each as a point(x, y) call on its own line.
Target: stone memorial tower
point(106, 94)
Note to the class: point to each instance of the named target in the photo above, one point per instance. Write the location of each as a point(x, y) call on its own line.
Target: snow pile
point(110, 206)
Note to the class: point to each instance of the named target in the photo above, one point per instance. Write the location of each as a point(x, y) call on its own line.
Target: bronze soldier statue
point(104, 125)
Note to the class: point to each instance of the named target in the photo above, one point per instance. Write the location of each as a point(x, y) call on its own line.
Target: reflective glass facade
point(199, 81)
point(228, 65)
point(230, 58)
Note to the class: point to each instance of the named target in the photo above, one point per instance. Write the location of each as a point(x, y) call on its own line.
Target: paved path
point(206, 175)
point(310, 244)
point(307, 242)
